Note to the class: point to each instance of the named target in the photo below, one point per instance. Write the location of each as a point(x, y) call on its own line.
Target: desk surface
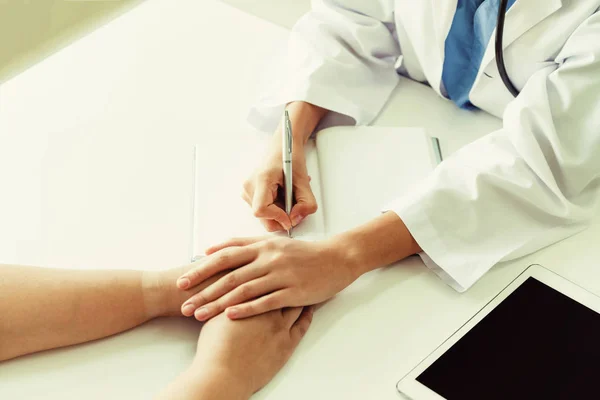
point(96, 170)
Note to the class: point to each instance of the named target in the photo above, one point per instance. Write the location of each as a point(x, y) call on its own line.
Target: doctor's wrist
point(380, 242)
point(304, 118)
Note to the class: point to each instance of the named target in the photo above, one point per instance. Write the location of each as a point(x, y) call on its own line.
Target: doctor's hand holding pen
point(263, 189)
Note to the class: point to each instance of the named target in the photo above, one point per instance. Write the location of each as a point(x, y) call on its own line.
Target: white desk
point(95, 169)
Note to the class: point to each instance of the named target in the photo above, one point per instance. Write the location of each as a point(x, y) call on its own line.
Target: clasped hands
point(265, 274)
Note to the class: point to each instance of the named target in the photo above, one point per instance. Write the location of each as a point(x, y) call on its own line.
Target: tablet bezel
point(410, 387)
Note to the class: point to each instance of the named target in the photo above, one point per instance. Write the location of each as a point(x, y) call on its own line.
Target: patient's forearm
point(45, 308)
point(42, 308)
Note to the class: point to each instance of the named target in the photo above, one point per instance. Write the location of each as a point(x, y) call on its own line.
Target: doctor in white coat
point(516, 190)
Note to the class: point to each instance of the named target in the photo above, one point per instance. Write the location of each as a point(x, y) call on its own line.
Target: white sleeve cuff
point(453, 267)
point(266, 114)
point(439, 271)
point(430, 243)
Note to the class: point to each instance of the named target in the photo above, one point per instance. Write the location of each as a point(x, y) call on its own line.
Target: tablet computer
point(539, 338)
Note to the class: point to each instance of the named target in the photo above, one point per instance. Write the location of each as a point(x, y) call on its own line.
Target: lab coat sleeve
point(524, 187)
point(340, 56)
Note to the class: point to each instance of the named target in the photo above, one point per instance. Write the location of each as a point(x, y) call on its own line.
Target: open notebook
point(354, 172)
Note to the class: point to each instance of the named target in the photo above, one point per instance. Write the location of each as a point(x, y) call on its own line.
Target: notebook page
point(220, 213)
point(364, 168)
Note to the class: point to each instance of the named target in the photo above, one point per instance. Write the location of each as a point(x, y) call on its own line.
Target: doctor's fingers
point(247, 291)
point(269, 224)
point(223, 286)
point(272, 225)
point(229, 258)
point(246, 196)
point(264, 207)
point(306, 203)
point(236, 242)
point(272, 301)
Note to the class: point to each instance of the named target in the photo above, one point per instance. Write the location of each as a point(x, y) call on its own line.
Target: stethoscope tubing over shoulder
point(498, 47)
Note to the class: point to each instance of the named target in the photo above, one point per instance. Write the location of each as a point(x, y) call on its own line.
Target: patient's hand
point(237, 358)
point(253, 350)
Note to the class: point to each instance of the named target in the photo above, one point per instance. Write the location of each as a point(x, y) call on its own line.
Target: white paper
point(364, 168)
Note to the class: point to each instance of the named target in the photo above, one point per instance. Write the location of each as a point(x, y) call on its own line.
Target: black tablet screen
point(536, 344)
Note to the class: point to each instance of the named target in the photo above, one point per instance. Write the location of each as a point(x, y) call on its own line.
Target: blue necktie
point(471, 30)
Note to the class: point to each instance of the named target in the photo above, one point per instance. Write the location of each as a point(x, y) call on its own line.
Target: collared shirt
point(471, 30)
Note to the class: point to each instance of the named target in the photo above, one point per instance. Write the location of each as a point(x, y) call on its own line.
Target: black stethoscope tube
point(499, 56)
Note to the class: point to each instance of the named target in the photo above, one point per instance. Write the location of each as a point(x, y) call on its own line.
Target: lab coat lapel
point(427, 23)
point(521, 17)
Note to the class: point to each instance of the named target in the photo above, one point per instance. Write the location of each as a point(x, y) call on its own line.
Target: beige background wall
point(31, 30)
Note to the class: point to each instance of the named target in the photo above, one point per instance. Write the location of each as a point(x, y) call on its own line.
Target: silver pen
point(287, 165)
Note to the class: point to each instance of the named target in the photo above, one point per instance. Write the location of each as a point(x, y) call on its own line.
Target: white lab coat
point(516, 190)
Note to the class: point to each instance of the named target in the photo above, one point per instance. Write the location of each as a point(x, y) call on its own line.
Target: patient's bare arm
point(44, 308)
